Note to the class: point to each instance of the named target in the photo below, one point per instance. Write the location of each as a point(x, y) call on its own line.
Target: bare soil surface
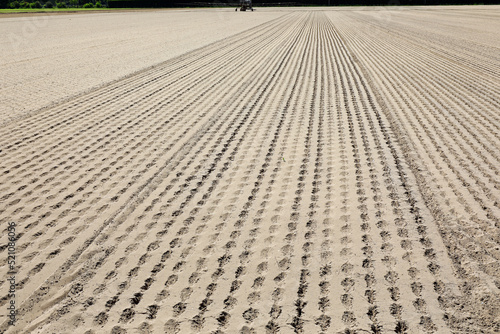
point(315, 171)
point(45, 59)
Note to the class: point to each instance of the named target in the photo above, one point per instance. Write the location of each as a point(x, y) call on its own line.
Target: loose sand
point(48, 58)
point(278, 171)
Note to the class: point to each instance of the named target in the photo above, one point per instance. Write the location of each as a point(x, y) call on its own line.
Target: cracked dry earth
point(325, 171)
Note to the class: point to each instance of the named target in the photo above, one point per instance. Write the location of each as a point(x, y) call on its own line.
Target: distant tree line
point(24, 4)
point(277, 3)
point(222, 3)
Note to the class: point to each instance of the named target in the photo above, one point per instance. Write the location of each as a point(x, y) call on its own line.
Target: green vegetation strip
point(50, 10)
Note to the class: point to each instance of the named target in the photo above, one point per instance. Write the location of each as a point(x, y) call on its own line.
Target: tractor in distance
point(245, 5)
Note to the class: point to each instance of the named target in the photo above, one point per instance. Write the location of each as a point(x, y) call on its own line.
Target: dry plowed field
point(321, 171)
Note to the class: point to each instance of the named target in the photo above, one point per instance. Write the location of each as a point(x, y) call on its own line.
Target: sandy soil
point(47, 58)
point(328, 171)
